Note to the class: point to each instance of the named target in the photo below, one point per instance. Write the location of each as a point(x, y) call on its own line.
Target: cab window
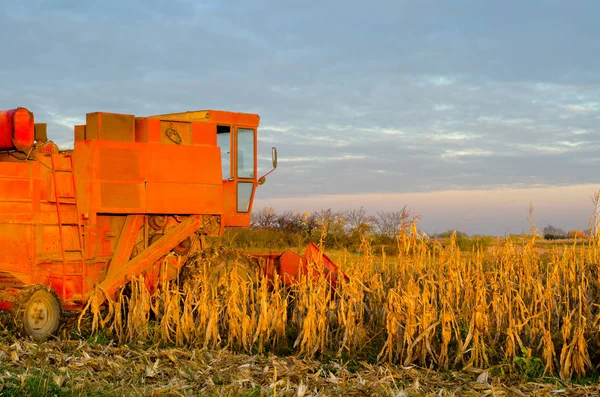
point(224, 142)
point(245, 155)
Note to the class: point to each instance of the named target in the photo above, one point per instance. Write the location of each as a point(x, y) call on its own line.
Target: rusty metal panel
point(48, 215)
point(49, 244)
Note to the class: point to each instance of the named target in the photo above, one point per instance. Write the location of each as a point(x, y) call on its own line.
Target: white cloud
point(439, 80)
point(440, 107)
point(453, 136)
point(583, 107)
point(452, 154)
point(542, 149)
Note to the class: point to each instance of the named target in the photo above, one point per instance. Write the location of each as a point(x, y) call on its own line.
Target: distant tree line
point(555, 233)
point(346, 229)
point(337, 229)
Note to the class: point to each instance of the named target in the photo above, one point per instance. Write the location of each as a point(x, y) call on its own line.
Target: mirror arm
point(262, 179)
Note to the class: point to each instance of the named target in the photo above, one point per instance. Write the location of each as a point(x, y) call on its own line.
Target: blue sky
point(384, 103)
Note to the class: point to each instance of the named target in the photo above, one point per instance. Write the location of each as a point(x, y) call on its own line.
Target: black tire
point(37, 312)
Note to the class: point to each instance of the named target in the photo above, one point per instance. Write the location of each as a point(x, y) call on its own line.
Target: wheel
point(37, 312)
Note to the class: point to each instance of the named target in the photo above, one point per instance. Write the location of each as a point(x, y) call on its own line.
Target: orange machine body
point(132, 190)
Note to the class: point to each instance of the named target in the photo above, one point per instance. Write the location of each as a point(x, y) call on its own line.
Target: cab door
point(245, 168)
point(239, 167)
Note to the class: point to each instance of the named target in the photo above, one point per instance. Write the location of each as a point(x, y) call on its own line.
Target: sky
point(465, 111)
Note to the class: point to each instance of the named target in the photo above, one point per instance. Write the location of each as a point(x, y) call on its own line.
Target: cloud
point(398, 97)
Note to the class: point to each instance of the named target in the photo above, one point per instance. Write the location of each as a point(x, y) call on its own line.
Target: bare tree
point(391, 223)
point(329, 223)
point(551, 232)
point(292, 222)
point(358, 221)
point(264, 219)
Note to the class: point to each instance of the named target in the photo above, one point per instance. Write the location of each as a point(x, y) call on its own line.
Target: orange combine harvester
point(132, 190)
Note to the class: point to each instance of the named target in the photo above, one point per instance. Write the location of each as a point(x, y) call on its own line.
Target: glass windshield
point(224, 142)
point(244, 194)
point(245, 159)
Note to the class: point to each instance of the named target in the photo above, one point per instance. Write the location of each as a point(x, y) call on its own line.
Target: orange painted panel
point(204, 134)
point(64, 182)
point(121, 164)
point(104, 236)
point(84, 163)
point(184, 164)
point(230, 200)
point(11, 212)
point(175, 133)
point(15, 189)
point(141, 129)
point(223, 117)
point(110, 126)
point(121, 197)
point(15, 170)
point(236, 220)
point(147, 130)
point(16, 245)
point(50, 244)
point(183, 198)
point(79, 132)
point(48, 215)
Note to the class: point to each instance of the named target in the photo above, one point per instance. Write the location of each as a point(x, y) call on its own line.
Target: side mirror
point(263, 178)
point(274, 156)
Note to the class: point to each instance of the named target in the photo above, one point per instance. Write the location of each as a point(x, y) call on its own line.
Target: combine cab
point(133, 190)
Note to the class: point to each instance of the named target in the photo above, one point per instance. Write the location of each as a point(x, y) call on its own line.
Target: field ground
point(81, 368)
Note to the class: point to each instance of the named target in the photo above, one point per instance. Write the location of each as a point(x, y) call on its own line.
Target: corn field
point(430, 306)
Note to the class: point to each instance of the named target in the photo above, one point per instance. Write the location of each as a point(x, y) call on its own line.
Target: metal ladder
point(68, 200)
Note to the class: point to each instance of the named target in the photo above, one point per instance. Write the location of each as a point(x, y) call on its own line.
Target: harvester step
point(69, 224)
point(66, 197)
point(75, 250)
point(63, 170)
